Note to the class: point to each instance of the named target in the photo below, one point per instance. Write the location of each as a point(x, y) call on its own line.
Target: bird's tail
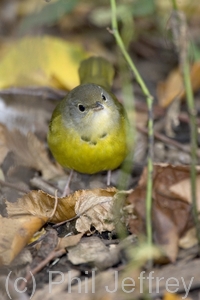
point(96, 70)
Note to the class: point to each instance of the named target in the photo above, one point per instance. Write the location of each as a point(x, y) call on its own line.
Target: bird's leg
point(108, 177)
point(67, 189)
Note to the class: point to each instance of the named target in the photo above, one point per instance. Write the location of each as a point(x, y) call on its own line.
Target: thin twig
point(14, 186)
point(167, 140)
point(52, 255)
point(179, 31)
point(193, 127)
point(41, 184)
point(149, 100)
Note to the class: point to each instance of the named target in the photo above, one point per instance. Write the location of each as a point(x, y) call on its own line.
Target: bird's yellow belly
point(100, 153)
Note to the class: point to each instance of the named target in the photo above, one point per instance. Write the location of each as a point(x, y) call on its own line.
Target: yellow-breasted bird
point(88, 128)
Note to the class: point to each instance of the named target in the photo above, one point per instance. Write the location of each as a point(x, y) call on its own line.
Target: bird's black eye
point(81, 107)
point(103, 97)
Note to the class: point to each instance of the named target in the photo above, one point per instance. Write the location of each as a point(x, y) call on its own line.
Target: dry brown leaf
point(69, 241)
point(173, 86)
point(41, 204)
point(182, 189)
point(32, 211)
point(15, 234)
point(29, 151)
point(166, 233)
point(94, 208)
point(171, 215)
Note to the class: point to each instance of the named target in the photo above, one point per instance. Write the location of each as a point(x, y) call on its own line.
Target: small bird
point(89, 127)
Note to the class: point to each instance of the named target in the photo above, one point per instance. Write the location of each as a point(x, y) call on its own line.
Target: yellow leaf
point(43, 61)
point(173, 296)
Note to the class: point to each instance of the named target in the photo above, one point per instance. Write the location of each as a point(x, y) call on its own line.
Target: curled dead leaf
point(41, 204)
point(33, 210)
point(95, 205)
point(94, 208)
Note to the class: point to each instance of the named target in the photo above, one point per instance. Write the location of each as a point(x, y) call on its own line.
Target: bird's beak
point(97, 106)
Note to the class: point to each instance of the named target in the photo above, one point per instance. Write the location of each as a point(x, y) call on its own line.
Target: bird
point(89, 127)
